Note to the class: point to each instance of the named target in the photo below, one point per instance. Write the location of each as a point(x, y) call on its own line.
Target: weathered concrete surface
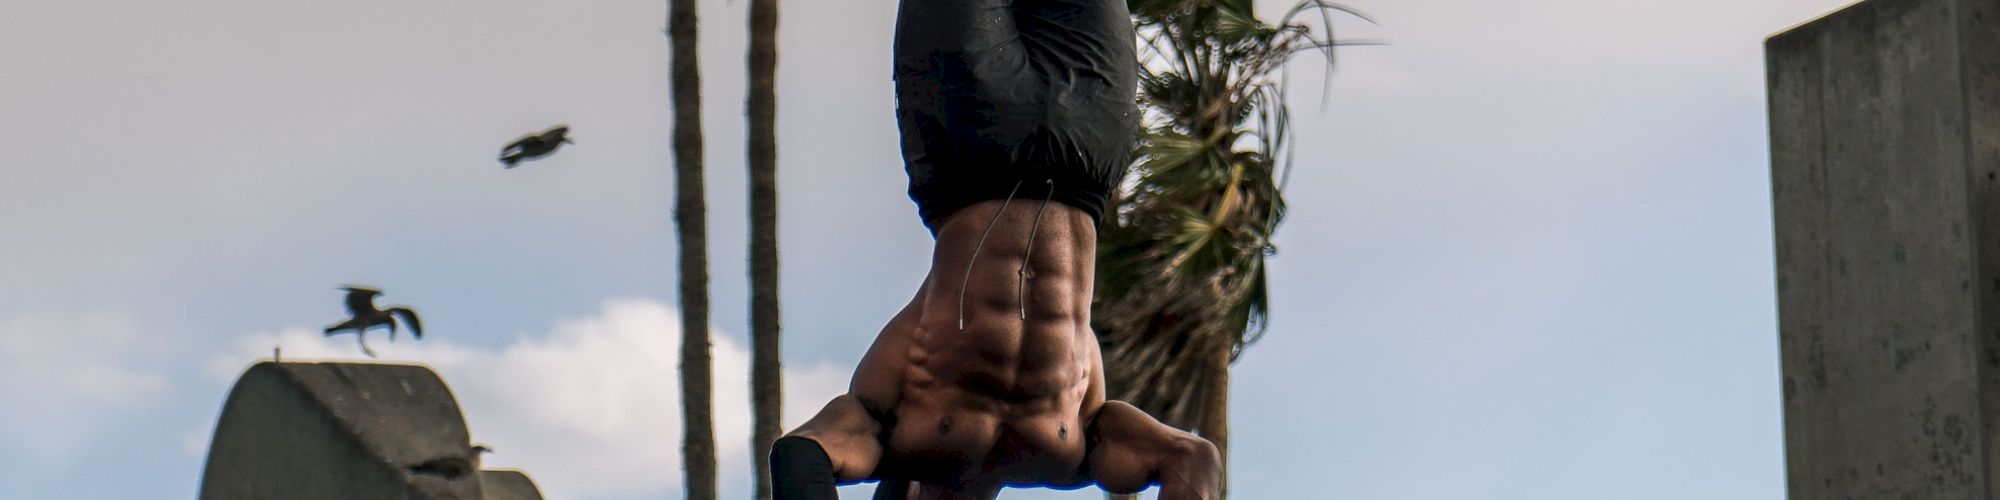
point(508, 484)
point(343, 431)
point(1885, 137)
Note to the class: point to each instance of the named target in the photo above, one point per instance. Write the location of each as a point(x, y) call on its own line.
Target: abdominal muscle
point(1004, 399)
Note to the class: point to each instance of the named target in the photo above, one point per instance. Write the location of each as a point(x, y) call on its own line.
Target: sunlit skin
point(961, 412)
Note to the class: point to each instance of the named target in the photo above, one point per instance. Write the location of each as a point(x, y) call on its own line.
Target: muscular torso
point(969, 390)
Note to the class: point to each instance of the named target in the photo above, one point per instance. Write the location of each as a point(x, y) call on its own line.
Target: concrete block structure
point(348, 430)
point(1885, 153)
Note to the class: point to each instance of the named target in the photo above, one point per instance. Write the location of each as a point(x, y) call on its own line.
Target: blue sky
point(1529, 255)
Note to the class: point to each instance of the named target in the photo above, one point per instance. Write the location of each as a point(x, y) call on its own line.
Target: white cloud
point(67, 376)
point(590, 408)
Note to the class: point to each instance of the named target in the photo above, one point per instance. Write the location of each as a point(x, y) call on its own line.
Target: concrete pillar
point(1885, 137)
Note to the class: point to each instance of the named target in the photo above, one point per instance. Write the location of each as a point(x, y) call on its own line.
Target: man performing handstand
point(1017, 119)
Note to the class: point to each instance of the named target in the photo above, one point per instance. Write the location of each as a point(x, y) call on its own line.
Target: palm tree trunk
point(1215, 411)
point(765, 387)
point(690, 221)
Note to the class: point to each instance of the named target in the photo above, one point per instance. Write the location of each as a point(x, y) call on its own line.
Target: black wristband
point(800, 470)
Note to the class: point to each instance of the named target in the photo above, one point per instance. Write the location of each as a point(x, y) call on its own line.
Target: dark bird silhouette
point(533, 146)
point(361, 306)
point(452, 466)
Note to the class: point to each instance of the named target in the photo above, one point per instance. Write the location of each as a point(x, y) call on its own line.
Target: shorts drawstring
point(1021, 274)
point(975, 253)
point(1021, 281)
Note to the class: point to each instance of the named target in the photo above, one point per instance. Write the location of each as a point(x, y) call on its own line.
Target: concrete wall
point(342, 431)
point(1885, 133)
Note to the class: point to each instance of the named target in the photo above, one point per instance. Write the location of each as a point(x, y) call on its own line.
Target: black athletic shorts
point(995, 94)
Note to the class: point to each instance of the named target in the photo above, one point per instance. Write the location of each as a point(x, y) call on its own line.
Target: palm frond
point(1181, 268)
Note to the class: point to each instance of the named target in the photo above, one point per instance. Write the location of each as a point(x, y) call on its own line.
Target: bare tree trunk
point(1215, 411)
point(691, 222)
point(766, 388)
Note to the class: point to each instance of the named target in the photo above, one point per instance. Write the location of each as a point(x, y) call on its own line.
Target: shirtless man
point(1017, 119)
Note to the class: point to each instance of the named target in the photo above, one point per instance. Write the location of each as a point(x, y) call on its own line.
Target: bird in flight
point(361, 306)
point(533, 146)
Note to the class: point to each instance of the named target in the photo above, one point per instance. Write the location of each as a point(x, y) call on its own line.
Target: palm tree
point(1181, 288)
point(765, 388)
point(691, 221)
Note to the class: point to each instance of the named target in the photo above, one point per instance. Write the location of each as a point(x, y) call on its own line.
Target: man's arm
point(838, 444)
point(1133, 451)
